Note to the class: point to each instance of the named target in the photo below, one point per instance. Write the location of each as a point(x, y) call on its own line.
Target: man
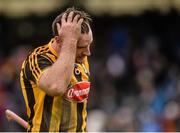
point(55, 77)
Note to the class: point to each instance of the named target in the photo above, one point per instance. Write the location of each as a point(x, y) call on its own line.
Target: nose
point(87, 52)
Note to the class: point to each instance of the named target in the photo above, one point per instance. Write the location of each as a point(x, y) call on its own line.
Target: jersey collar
point(51, 48)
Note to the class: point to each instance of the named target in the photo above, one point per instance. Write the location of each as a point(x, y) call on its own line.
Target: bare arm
point(55, 79)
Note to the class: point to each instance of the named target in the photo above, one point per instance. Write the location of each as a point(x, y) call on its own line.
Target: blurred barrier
point(16, 8)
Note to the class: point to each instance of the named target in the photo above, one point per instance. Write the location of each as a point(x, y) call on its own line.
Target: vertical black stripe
point(35, 65)
point(27, 72)
point(65, 116)
point(85, 70)
point(46, 115)
point(31, 99)
point(43, 62)
point(79, 116)
point(88, 74)
point(31, 61)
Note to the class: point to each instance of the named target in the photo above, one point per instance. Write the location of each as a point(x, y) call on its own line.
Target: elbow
point(56, 90)
point(53, 89)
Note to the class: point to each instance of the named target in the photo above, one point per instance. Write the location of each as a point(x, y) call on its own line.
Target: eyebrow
point(83, 46)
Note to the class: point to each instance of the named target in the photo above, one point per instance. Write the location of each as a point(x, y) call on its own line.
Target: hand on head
point(70, 27)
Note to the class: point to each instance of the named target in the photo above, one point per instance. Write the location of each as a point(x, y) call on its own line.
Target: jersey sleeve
point(35, 65)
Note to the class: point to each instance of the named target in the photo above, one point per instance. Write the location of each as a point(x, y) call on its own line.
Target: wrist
point(70, 42)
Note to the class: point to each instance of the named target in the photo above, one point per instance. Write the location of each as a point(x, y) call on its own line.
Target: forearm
point(56, 78)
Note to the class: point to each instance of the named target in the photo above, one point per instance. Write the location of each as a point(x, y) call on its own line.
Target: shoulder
point(36, 62)
point(36, 55)
point(40, 50)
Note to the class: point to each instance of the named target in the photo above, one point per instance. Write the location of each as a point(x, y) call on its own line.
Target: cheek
point(78, 52)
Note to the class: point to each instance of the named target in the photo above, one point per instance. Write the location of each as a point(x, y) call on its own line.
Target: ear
point(57, 39)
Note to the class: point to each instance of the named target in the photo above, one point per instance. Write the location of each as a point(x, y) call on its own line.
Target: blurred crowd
point(135, 72)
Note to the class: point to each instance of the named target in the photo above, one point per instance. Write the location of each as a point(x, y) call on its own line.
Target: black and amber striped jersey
point(59, 113)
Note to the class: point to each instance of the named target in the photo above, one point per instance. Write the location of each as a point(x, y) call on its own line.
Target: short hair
point(84, 15)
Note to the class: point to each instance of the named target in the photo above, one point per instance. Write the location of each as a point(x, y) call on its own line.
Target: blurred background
point(135, 62)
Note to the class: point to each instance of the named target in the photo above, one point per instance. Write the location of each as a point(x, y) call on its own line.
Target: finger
point(76, 18)
point(70, 17)
point(63, 19)
point(80, 21)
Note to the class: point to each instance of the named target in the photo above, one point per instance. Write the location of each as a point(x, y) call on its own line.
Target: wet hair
point(84, 15)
